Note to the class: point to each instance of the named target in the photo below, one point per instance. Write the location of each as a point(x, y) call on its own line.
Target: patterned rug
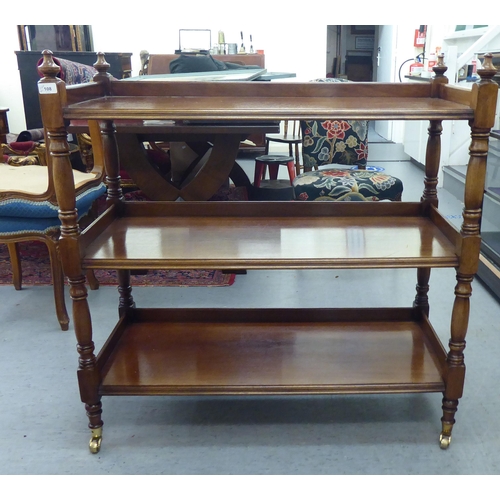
point(35, 265)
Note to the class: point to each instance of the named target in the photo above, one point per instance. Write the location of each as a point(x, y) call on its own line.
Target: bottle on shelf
point(431, 62)
point(222, 42)
point(242, 47)
point(474, 67)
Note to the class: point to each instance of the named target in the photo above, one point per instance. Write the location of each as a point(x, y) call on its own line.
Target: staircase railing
point(455, 61)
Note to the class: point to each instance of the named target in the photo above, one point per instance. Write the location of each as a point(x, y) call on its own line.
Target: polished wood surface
point(248, 240)
point(179, 130)
point(247, 108)
point(222, 141)
point(276, 351)
point(303, 351)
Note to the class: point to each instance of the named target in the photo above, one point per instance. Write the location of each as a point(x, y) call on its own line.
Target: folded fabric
point(35, 134)
point(195, 64)
point(198, 63)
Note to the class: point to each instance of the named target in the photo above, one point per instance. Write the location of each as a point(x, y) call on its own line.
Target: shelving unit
point(269, 351)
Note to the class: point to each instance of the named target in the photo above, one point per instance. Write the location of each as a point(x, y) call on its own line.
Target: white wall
point(10, 82)
point(285, 51)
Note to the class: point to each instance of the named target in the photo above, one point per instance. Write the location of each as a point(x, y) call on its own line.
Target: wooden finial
point(49, 68)
point(488, 71)
point(440, 68)
point(101, 65)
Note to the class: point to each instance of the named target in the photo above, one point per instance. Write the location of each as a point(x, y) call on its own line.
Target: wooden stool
point(273, 162)
point(293, 139)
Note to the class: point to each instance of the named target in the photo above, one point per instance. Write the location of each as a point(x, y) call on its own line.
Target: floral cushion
point(346, 185)
point(334, 141)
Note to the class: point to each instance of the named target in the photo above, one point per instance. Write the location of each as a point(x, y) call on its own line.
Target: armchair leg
point(58, 284)
point(92, 280)
point(15, 262)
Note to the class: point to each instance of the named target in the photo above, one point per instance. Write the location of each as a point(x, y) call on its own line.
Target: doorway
point(350, 52)
point(384, 59)
point(363, 54)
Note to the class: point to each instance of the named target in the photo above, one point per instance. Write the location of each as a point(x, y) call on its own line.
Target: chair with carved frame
point(29, 212)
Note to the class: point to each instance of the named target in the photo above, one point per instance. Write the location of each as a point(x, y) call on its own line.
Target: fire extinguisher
point(416, 68)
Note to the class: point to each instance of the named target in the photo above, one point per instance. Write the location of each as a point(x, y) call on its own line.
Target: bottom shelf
point(272, 351)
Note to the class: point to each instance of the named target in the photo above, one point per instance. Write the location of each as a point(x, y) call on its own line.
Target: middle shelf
point(260, 235)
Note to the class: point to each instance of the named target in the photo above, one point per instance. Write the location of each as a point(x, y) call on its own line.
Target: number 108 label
point(47, 88)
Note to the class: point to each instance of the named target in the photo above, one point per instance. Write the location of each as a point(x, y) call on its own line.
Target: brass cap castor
point(444, 441)
point(95, 440)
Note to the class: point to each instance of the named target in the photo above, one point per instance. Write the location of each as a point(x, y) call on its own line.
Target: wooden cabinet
point(27, 60)
point(271, 351)
point(4, 125)
point(359, 68)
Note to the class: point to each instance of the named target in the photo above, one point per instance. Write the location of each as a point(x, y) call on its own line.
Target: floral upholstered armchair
point(335, 155)
point(334, 141)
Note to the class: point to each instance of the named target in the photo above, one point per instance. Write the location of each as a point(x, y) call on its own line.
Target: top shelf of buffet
point(252, 101)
